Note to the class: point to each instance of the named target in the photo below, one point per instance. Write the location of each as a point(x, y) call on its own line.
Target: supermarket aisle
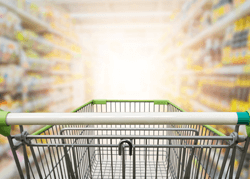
point(56, 55)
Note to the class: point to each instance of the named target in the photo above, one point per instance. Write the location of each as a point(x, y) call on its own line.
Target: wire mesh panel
point(131, 151)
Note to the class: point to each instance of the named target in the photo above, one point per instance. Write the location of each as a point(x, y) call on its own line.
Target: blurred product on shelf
point(10, 78)
point(37, 102)
point(36, 82)
point(47, 14)
point(8, 102)
point(238, 3)
point(61, 67)
point(10, 23)
point(33, 62)
point(221, 8)
point(9, 51)
point(218, 92)
point(58, 54)
point(236, 45)
point(31, 40)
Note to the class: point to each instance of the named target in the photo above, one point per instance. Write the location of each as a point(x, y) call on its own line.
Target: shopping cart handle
point(174, 118)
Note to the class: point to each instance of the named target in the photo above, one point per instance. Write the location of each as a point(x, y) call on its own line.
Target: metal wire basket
point(129, 139)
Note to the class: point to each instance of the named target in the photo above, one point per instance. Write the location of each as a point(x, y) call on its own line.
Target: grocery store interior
point(56, 55)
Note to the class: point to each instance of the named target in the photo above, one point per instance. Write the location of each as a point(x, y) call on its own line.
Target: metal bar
point(90, 168)
point(197, 118)
point(179, 162)
point(25, 156)
point(15, 158)
point(127, 137)
point(36, 163)
point(69, 165)
point(137, 146)
point(224, 162)
point(183, 162)
point(145, 160)
point(112, 170)
point(242, 159)
point(74, 158)
point(157, 156)
point(133, 129)
point(232, 163)
point(134, 163)
point(100, 159)
point(199, 163)
point(168, 158)
point(123, 163)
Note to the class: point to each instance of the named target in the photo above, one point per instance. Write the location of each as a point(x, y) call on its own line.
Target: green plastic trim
point(214, 130)
point(90, 102)
point(176, 106)
point(42, 130)
point(99, 101)
point(130, 100)
point(248, 126)
point(4, 128)
point(243, 118)
point(159, 102)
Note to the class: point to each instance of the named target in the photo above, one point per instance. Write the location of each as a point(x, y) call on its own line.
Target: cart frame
point(194, 135)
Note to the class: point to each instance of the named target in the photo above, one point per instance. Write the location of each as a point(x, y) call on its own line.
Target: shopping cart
point(127, 139)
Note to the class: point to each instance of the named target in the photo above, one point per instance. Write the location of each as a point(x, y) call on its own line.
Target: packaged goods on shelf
point(60, 41)
point(10, 23)
point(225, 94)
point(56, 40)
point(205, 20)
point(221, 8)
point(34, 62)
point(238, 3)
point(31, 40)
point(37, 102)
point(61, 67)
point(58, 54)
point(236, 45)
point(9, 51)
point(241, 97)
point(10, 77)
point(7, 102)
point(37, 82)
point(32, 54)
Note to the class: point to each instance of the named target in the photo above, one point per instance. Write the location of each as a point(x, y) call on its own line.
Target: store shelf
point(221, 25)
point(217, 28)
point(37, 104)
point(225, 70)
point(196, 11)
point(16, 91)
point(198, 106)
point(17, 110)
point(57, 60)
point(34, 22)
point(40, 88)
point(61, 98)
point(53, 46)
point(61, 73)
point(67, 85)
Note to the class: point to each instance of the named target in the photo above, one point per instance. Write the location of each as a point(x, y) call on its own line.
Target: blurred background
point(56, 55)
